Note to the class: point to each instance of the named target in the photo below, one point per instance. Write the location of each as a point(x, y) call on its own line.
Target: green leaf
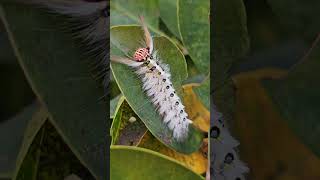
point(127, 12)
point(113, 105)
point(297, 97)
point(131, 163)
point(127, 39)
point(6, 53)
point(53, 64)
point(114, 89)
point(194, 27)
point(194, 75)
point(203, 92)
point(230, 43)
point(114, 133)
point(126, 128)
point(298, 16)
point(30, 166)
point(124, 12)
point(230, 38)
point(49, 158)
point(224, 99)
point(11, 138)
point(168, 13)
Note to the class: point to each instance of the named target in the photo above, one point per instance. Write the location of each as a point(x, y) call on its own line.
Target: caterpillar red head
point(141, 54)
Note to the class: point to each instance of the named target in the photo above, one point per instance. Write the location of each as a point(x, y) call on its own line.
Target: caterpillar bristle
point(147, 35)
point(125, 61)
point(87, 22)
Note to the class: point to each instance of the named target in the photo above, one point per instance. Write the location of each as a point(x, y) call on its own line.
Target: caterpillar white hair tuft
point(225, 163)
point(156, 80)
point(87, 21)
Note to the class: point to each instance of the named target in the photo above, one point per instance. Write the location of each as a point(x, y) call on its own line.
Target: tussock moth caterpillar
point(156, 82)
point(225, 163)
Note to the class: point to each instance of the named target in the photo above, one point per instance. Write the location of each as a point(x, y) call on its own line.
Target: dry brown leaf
point(127, 128)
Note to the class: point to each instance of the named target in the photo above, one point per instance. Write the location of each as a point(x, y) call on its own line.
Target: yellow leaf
point(196, 161)
point(268, 145)
point(195, 109)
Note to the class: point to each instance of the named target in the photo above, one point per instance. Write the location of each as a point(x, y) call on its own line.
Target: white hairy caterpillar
point(156, 80)
point(88, 22)
point(225, 163)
